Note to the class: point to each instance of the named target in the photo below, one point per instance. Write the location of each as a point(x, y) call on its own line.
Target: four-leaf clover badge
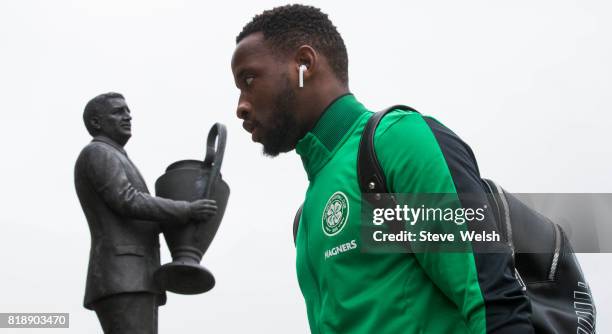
point(335, 213)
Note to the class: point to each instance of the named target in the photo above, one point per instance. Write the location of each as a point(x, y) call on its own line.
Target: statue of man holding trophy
point(125, 283)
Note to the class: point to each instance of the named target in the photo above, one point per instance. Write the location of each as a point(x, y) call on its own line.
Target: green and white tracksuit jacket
point(349, 291)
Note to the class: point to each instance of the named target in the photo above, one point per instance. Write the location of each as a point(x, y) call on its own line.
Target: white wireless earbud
point(301, 69)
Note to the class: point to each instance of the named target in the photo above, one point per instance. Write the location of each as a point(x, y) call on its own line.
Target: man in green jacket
point(291, 67)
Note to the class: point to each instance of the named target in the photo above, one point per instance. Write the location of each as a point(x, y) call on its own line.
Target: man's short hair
point(288, 27)
point(95, 106)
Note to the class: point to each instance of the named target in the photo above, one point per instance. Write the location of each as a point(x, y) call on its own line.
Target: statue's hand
point(203, 209)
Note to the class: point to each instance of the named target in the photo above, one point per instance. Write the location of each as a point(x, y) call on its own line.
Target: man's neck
point(118, 143)
point(326, 96)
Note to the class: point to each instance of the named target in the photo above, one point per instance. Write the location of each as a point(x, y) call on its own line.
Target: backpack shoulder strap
point(296, 222)
point(369, 171)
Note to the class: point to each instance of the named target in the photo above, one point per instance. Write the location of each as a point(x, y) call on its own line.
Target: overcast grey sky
point(526, 83)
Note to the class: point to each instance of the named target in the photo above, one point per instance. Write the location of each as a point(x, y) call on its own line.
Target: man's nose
point(243, 110)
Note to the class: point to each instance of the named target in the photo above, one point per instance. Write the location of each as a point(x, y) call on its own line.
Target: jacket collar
point(318, 145)
point(106, 140)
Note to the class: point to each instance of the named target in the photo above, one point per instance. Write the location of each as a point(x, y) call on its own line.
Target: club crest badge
point(335, 214)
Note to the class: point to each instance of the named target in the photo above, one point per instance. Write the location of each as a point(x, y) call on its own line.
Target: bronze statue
point(124, 222)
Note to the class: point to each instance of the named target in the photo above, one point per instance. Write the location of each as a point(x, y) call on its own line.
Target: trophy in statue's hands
point(193, 180)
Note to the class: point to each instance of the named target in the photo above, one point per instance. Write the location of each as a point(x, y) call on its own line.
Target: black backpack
point(560, 298)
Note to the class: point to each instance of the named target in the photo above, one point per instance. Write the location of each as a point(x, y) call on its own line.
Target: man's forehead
point(251, 47)
point(116, 102)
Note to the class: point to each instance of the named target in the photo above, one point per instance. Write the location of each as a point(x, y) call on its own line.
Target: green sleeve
point(413, 163)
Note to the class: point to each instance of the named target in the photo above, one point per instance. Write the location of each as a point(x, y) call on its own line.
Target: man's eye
point(248, 80)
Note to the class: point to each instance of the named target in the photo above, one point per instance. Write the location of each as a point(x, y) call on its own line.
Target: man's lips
point(248, 126)
point(251, 127)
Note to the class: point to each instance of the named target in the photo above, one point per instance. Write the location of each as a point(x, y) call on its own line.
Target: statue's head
point(108, 115)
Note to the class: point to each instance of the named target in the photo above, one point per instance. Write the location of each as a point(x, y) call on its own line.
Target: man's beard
point(286, 131)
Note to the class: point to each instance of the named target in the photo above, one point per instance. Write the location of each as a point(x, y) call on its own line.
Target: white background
point(526, 83)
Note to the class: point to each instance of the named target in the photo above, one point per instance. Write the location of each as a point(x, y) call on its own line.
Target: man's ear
point(95, 123)
point(308, 57)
